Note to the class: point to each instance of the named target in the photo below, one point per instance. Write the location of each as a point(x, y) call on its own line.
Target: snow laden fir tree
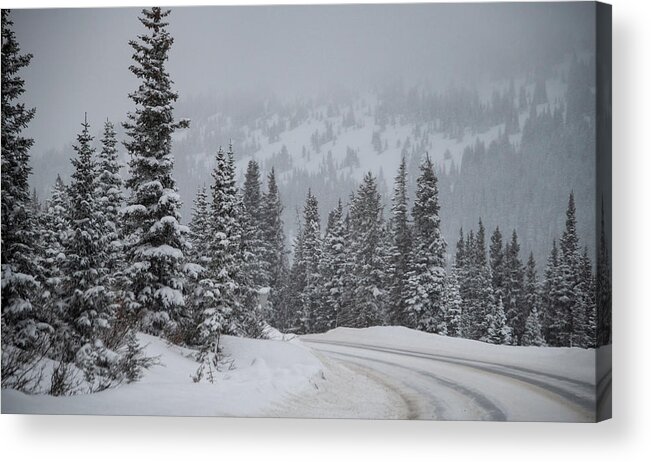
point(155, 239)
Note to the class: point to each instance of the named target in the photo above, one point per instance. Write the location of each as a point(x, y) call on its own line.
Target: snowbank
point(265, 372)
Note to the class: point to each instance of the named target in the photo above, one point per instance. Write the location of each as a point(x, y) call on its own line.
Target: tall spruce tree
point(252, 228)
point(400, 251)
point(218, 303)
point(23, 320)
point(513, 291)
point(426, 276)
point(87, 300)
point(569, 310)
point(200, 288)
point(367, 264)
point(109, 194)
point(603, 287)
point(275, 254)
point(497, 263)
point(55, 229)
point(549, 298)
point(453, 305)
point(156, 239)
point(200, 230)
point(308, 265)
point(332, 271)
point(477, 288)
point(587, 335)
point(531, 286)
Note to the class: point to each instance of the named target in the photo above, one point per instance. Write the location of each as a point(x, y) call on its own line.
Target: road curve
point(448, 387)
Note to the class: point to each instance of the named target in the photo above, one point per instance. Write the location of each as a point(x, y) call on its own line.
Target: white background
point(626, 437)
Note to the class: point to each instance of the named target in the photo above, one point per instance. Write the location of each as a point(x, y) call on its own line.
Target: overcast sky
point(81, 56)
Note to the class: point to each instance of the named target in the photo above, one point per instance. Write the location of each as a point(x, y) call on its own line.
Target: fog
point(81, 56)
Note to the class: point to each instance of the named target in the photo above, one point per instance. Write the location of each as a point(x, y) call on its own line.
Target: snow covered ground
point(381, 372)
point(264, 371)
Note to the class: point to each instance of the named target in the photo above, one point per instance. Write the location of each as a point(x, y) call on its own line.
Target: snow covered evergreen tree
point(308, 265)
point(199, 287)
point(87, 299)
point(367, 264)
point(498, 330)
point(55, 228)
point(110, 196)
point(332, 270)
point(156, 240)
point(549, 298)
point(400, 251)
point(603, 288)
point(453, 305)
point(533, 331)
point(476, 287)
point(275, 254)
point(496, 254)
point(513, 291)
point(218, 303)
point(570, 313)
point(531, 286)
point(23, 321)
point(253, 242)
point(426, 276)
point(587, 333)
point(200, 232)
point(109, 203)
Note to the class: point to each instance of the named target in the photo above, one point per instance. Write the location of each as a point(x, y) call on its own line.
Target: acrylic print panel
point(351, 211)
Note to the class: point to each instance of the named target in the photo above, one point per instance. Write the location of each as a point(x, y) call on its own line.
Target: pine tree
point(587, 333)
point(252, 232)
point(569, 310)
point(23, 320)
point(156, 239)
point(531, 286)
point(310, 257)
point(200, 232)
point(603, 288)
point(549, 298)
point(460, 251)
point(533, 331)
point(110, 197)
point(87, 301)
point(55, 230)
point(250, 277)
point(201, 294)
point(426, 276)
point(496, 254)
point(220, 309)
point(289, 313)
point(275, 254)
point(367, 270)
point(498, 331)
point(401, 248)
point(453, 305)
point(514, 303)
point(332, 270)
point(476, 287)
point(109, 203)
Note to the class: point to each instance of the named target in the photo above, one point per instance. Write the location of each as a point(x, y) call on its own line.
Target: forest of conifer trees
point(107, 256)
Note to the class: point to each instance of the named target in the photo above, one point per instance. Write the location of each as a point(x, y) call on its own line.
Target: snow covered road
point(452, 379)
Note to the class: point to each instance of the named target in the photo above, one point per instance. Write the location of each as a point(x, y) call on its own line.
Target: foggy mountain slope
point(328, 143)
